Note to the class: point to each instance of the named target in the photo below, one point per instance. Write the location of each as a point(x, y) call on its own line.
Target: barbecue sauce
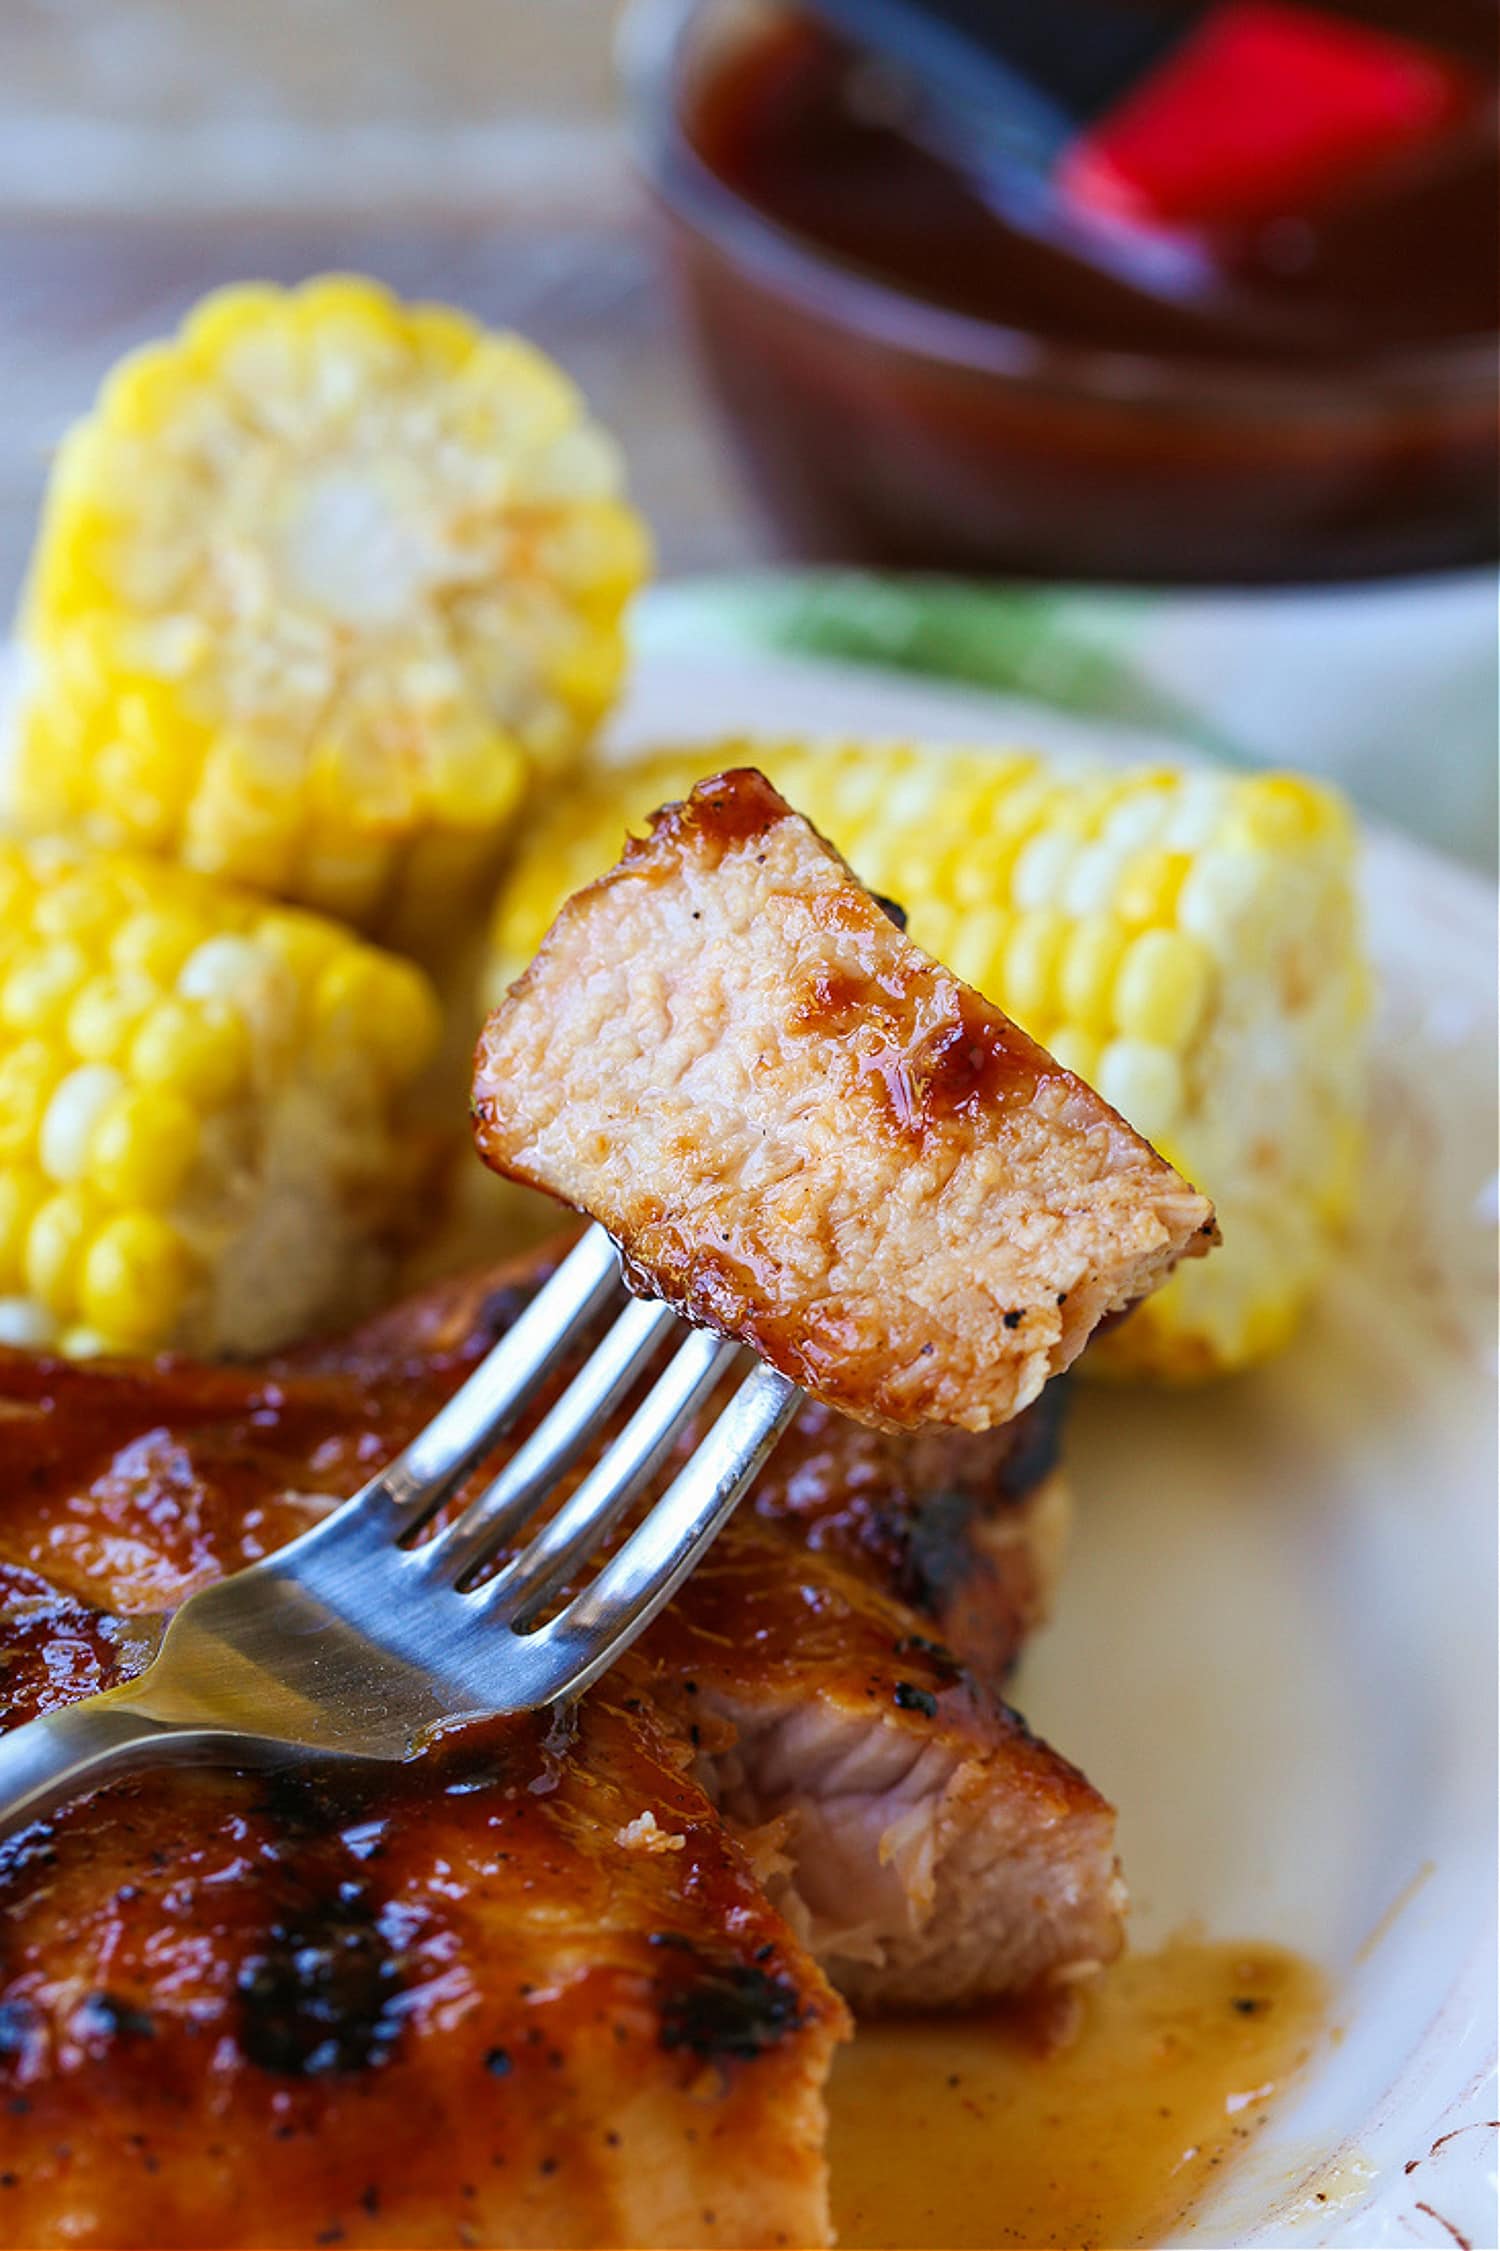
point(961, 2131)
point(810, 131)
point(922, 371)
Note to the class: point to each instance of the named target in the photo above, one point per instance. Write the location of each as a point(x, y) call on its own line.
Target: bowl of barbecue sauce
point(1244, 332)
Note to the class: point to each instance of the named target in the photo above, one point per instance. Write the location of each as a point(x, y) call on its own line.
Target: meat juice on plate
point(966, 2131)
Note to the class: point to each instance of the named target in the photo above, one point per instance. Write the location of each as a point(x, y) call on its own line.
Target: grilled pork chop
point(529, 1988)
point(804, 1132)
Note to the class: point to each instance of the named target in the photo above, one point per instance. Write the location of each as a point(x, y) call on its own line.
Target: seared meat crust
point(806, 1133)
point(967, 1527)
point(446, 2006)
point(524, 1990)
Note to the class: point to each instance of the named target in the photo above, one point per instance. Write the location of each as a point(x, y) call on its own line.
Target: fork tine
point(585, 1637)
point(504, 1506)
point(517, 1592)
point(437, 1461)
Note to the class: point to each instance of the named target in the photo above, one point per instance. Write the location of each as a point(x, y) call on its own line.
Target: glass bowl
point(880, 428)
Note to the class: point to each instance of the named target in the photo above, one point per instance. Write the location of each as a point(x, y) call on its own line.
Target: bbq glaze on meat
point(535, 1986)
point(806, 1133)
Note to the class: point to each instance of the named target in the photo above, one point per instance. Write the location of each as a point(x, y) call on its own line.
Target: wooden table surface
point(471, 150)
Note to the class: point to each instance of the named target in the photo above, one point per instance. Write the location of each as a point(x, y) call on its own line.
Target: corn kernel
point(346, 301)
point(306, 943)
point(104, 1016)
point(573, 468)
point(1093, 880)
point(143, 1146)
point(69, 581)
point(605, 551)
point(1028, 988)
point(916, 873)
point(258, 360)
point(142, 390)
point(1077, 1050)
point(1142, 1082)
point(223, 967)
point(1086, 978)
point(978, 948)
point(1202, 800)
point(80, 907)
point(347, 876)
point(1042, 867)
point(22, 1195)
point(1221, 890)
point(71, 1115)
point(143, 774)
point(134, 1278)
point(1151, 885)
point(236, 974)
point(200, 1048)
point(1024, 808)
point(373, 1004)
point(28, 1074)
point(17, 892)
point(442, 335)
point(54, 1246)
point(1280, 811)
point(982, 873)
point(1162, 988)
point(478, 782)
point(246, 817)
point(934, 927)
point(220, 319)
point(40, 987)
point(157, 943)
point(1137, 819)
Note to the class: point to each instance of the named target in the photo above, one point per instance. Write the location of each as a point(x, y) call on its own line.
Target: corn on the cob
point(1188, 943)
point(201, 1106)
point(321, 583)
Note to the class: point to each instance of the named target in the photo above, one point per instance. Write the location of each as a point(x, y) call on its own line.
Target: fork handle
point(48, 1761)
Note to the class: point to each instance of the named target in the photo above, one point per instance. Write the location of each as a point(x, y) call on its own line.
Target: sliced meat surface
point(529, 1988)
point(932, 1853)
point(806, 1133)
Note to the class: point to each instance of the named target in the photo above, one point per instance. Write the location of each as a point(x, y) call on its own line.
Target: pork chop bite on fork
point(806, 1133)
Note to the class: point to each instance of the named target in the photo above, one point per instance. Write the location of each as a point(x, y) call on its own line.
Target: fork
point(353, 1643)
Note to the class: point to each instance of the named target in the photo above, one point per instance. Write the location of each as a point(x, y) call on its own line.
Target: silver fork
point(348, 1643)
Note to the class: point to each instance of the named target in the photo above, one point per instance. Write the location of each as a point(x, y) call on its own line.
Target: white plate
point(1275, 1646)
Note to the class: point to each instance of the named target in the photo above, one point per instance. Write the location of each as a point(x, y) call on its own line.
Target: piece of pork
point(932, 1853)
point(514, 1992)
point(804, 1132)
point(527, 1989)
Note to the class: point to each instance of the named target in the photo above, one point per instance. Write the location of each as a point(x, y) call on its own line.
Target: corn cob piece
point(202, 1129)
point(1188, 943)
point(322, 583)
